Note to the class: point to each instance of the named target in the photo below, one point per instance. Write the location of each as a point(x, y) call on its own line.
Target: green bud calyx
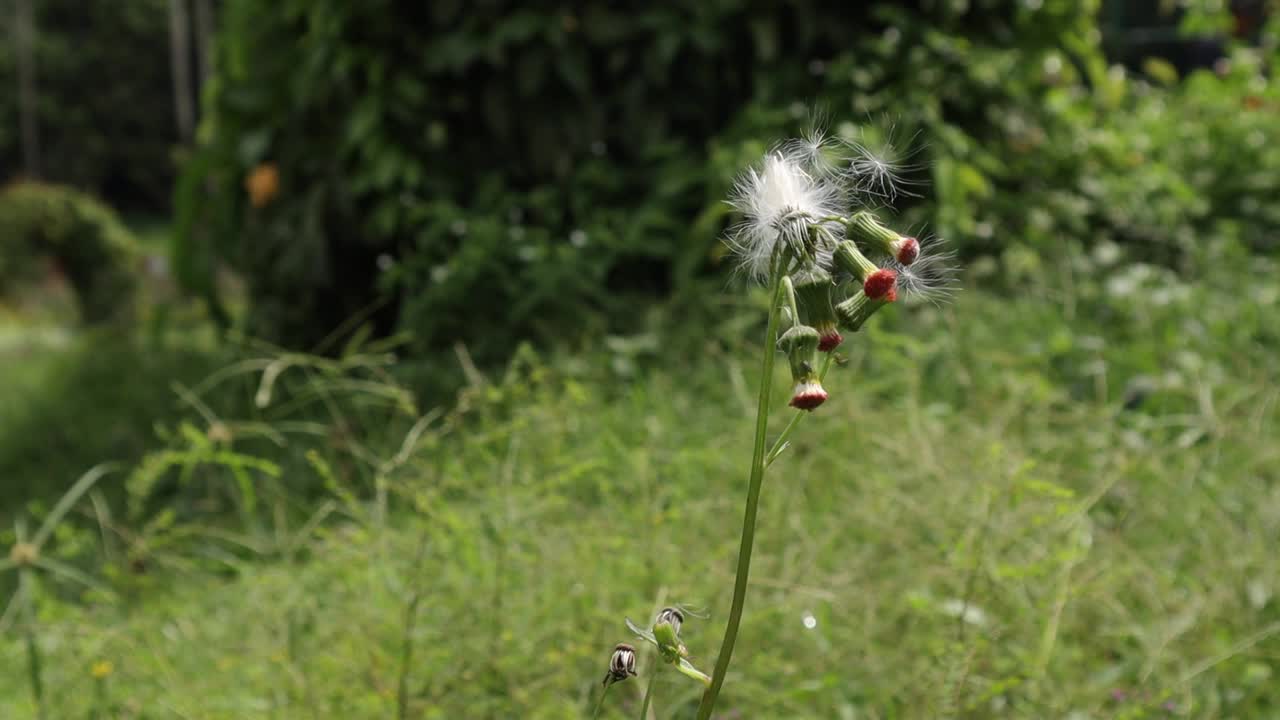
point(850, 259)
point(801, 346)
point(855, 311)
point(867, 229)
point(813, 288)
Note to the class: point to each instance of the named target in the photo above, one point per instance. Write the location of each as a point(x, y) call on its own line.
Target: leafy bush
point(496, 171)
point(499, 168)
point(105, 109)
point(85, 239)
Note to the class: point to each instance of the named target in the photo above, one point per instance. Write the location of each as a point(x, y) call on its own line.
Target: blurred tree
point(24, 32)
point(104, 102)
point(204, 29)
point(180, 67)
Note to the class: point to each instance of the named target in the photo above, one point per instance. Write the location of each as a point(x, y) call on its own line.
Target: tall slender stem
point(648, 691)
point(753, 500)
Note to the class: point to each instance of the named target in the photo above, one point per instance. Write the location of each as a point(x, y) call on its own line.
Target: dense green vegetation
point(1074, 461)
point(473, 166)
point(462, 379)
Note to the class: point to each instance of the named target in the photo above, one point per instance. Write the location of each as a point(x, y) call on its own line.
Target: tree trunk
point(24, 41)
point(180, 61)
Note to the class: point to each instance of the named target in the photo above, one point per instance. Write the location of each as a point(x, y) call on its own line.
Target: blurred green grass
point(1055, 502)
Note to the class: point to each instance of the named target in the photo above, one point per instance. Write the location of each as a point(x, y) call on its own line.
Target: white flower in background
point(779, 200)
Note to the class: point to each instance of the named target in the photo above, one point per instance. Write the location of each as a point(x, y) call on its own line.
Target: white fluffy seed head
point(778, 200)
point(817, 152)
point(880, 164)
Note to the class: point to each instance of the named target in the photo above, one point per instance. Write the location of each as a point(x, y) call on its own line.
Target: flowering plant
point(809, 224)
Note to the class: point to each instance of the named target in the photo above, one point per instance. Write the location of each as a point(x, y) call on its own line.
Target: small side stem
point(781, 443)
point(648, 691)
point(753, 500)
point(600, 704)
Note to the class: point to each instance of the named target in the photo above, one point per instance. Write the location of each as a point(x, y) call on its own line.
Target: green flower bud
point(856, 310)
point(867, 229)
point(801, 344)
point(665, 634)
point(850, 259)
point(672, 615)
point(813, 287)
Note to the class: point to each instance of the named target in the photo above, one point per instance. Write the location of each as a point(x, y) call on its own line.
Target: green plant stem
point(781, 443)
point(648, 691)
point(26, 582)
point(600, 704)
point(753, 501)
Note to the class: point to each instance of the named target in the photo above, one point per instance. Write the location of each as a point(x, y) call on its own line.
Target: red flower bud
point(808, 395)
point(830, 339)
point(906, 250)
point(881, 285)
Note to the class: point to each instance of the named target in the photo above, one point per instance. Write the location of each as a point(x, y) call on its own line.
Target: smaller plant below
point(85, 240)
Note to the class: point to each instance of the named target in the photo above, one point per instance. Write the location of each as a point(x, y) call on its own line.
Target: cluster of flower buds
point(663, 634)
point(799, 228)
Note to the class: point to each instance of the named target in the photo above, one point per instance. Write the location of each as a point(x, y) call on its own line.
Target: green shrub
point(499, 170)
point(84, 238)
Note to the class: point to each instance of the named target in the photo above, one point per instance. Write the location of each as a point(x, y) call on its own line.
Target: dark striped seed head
point(622, 664)
point(672, 616)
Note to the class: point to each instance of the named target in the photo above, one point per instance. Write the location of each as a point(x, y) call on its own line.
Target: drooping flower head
point(780, 200)
point(622, 664)
point(808, 395)
point(800, 343)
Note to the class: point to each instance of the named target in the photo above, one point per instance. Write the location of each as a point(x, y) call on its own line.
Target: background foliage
point(501, 168)
point(1012, 506)
point(105, 109)
point(82, 238)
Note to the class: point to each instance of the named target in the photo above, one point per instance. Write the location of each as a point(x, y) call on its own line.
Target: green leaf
point(687, 669)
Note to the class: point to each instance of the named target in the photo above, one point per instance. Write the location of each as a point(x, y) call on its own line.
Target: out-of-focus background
point(410, 341)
